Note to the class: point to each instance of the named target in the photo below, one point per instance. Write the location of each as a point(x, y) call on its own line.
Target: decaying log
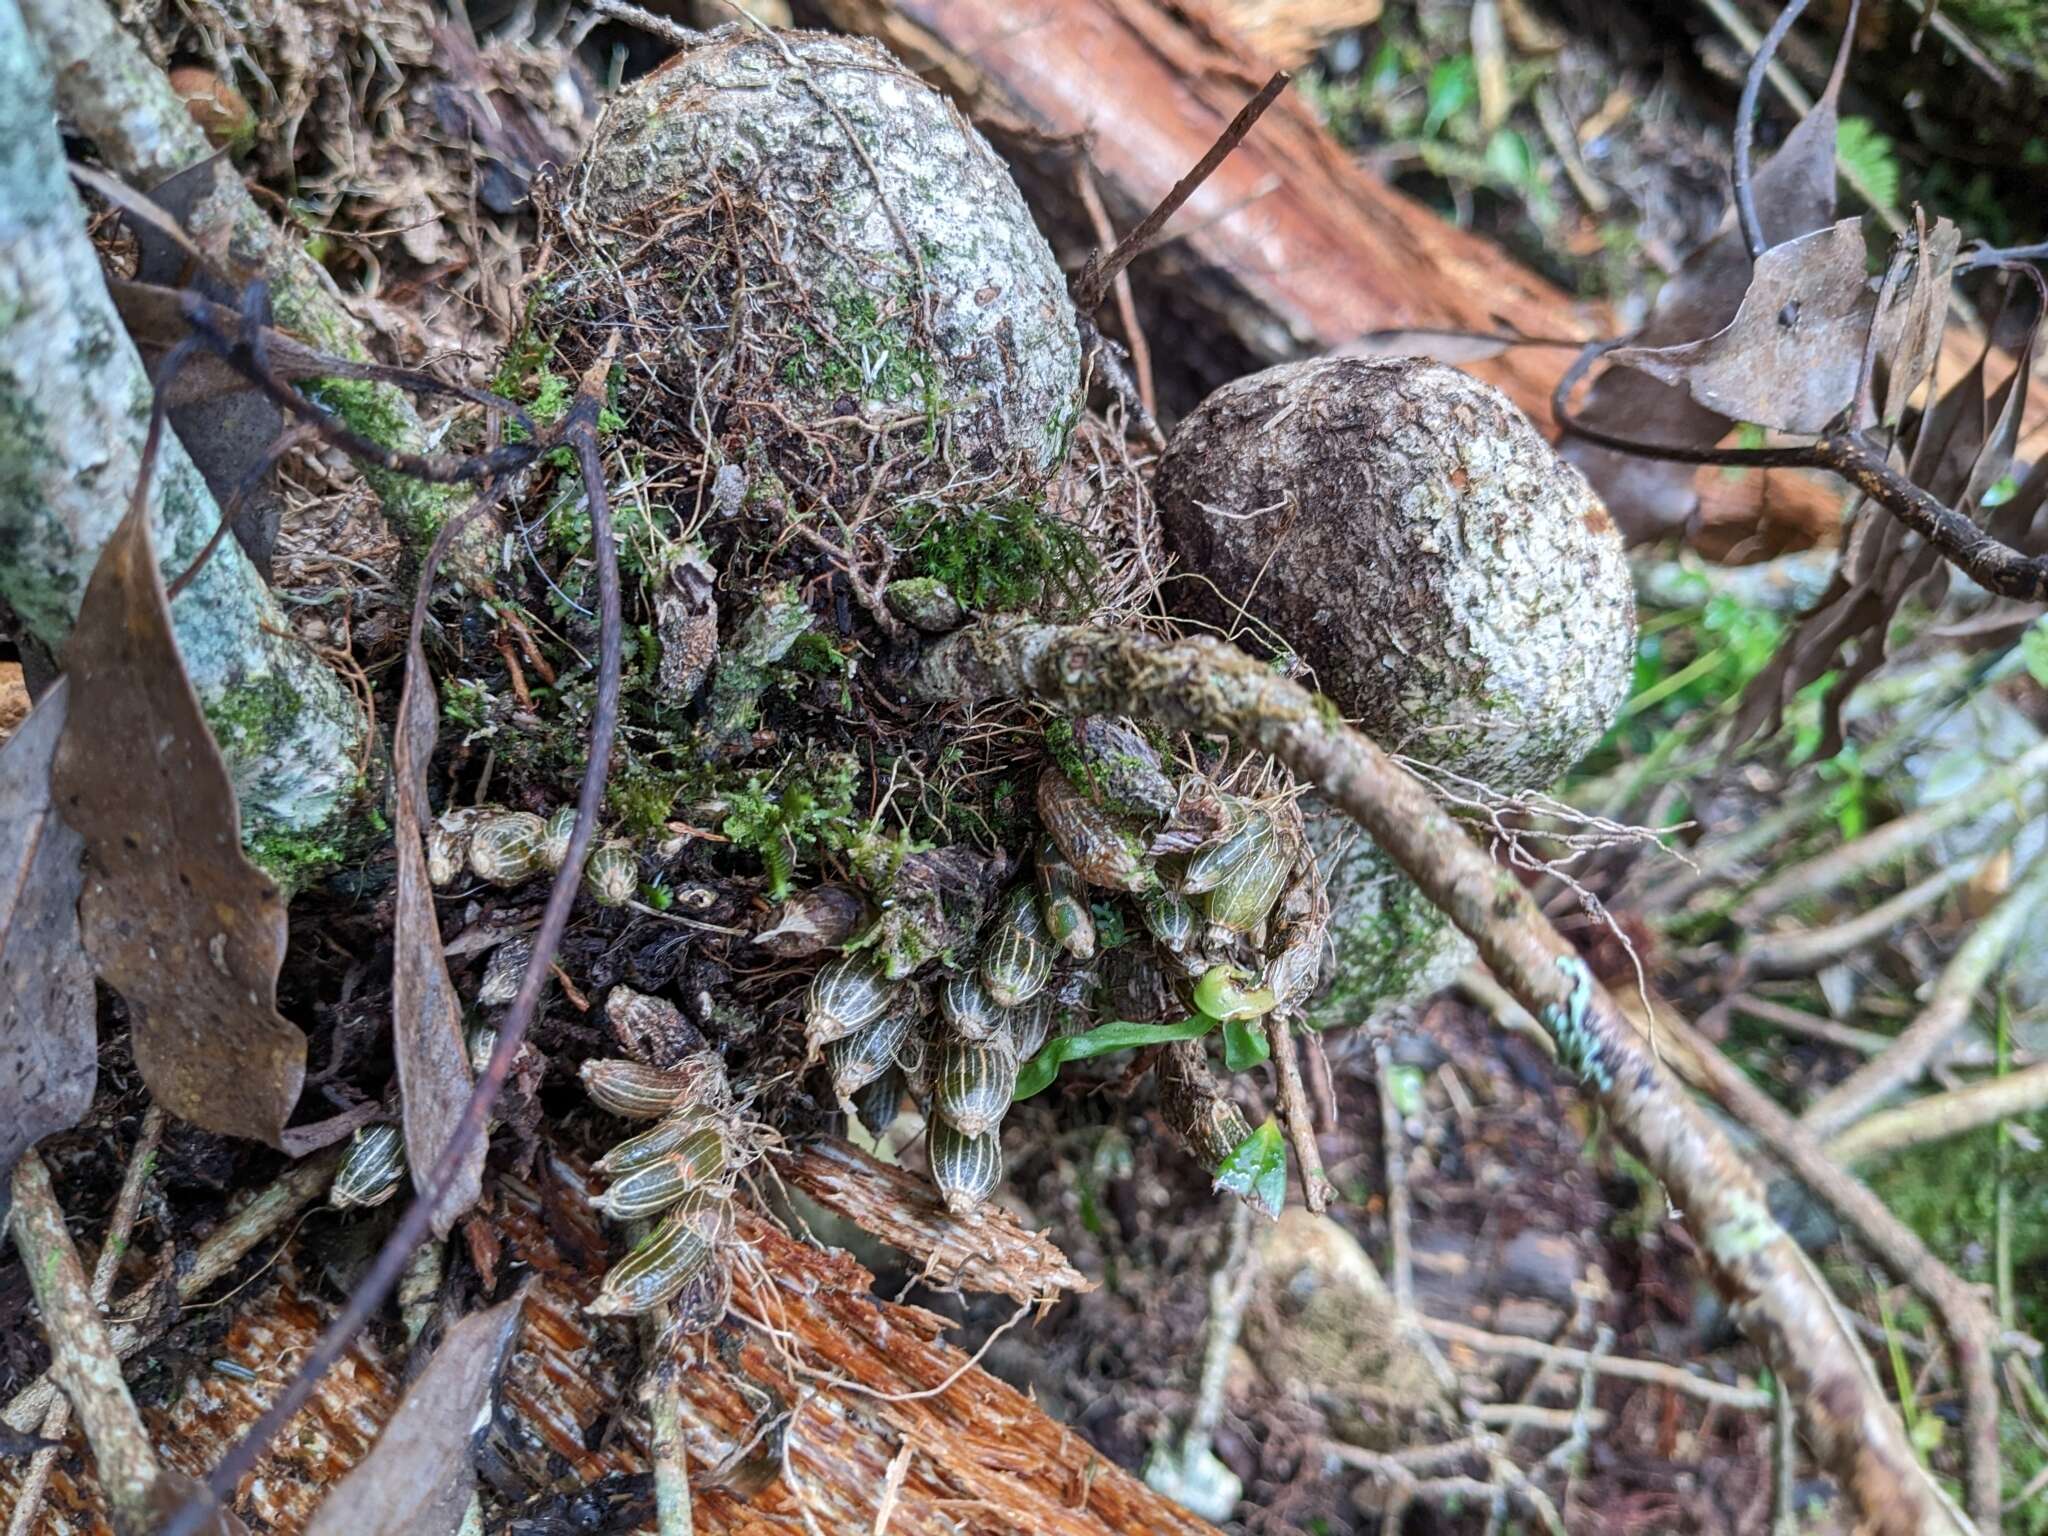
point(1291, 248)
point(988, 1253)
point(797, 1403)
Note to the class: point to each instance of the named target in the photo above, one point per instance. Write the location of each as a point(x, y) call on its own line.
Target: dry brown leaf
point(48, 1060)
point(1909, 332)
point(418, 1477)
point(988, 1253)
point(176, 919)
point(1791, 356)
point(1795, 195)
point(434, 1081)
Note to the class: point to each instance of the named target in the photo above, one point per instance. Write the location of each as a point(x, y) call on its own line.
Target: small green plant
point(783, 819)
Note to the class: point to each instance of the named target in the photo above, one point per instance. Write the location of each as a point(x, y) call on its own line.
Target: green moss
point(787, 818)
point(381, 414)
point(1948, 1193)
point(1385, 953)
point(248, 719)
point(1008, 557)
point(296, 860)
point(866, 353)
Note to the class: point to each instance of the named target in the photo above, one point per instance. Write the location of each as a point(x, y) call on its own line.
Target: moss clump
point(296, 860)
point(249, 719)
point(1391, 944)
point(801, 811)
point(379, 412)
point(1009, 557)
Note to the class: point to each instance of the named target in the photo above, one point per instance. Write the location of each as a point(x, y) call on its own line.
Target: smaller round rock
point(1458, 589)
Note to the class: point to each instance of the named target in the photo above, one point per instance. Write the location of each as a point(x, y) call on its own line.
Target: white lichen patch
point(1458, 589)
point(885, 260)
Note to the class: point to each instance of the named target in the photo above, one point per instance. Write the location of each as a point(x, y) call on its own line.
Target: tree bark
point(74, 409)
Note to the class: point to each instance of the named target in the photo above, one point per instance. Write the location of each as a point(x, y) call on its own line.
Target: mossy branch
point(116, 96)
point(1204, 686)
point(74, 411)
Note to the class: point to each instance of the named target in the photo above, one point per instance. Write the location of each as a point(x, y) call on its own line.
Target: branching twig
point(120, 1225)
point(1204, 686)
point(224, 1247)
point(82, 1359)
point(1947, 1010)
point(1747, 1399)
point(1878, 850)
point(1809, 950)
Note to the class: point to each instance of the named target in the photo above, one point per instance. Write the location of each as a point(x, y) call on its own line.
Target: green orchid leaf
point(1036, 1075)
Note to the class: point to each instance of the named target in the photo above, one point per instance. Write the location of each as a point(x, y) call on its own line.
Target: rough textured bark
point(858, 1379)
point(74, 408)
point(1203, 686)
point(1291, 248)
point(117, 97)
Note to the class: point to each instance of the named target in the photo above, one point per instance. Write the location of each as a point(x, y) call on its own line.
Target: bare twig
point(1809, 950)
point(1947, 1010)
point(1126, 304)
point(1892, 842)
point(579, 432)
point(1940, 1116)
point(119, 1226)
point(662, 1389)
point(1101, 270)
point(1969, 1327)
point(1747, 1399)
point(1394, 1149)
point(82, 1360)
point(1294, 1113)
point(1745, 127)
point(1202, 685)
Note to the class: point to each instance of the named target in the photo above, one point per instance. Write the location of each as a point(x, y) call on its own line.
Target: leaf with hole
point(1795, 195)
point(1790, 357)
point(176, 919)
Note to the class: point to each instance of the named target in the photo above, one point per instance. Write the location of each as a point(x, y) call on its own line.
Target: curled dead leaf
point(175, 918)
point(434, 1081)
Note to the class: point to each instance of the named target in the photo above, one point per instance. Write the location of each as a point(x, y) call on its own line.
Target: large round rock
point(1458, 589)
point(868, 249)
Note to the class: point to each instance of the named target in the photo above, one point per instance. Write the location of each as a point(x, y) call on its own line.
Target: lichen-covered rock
point(1458, 589)
point(1388, 944)
point(875, 256)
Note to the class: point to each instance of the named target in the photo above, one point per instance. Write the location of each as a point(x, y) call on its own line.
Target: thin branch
point(82, 1360)
point(578, 431)
point(223, 1248)
point(1809, 950)
point(1294, 1112)
point(1204, 686)
point(120, 1225)
point(1394, 1155)
point(1947, 1011)
point(1746, 1399)
point(1941, 1116)
point(1101, 270)
point(1745, 128)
